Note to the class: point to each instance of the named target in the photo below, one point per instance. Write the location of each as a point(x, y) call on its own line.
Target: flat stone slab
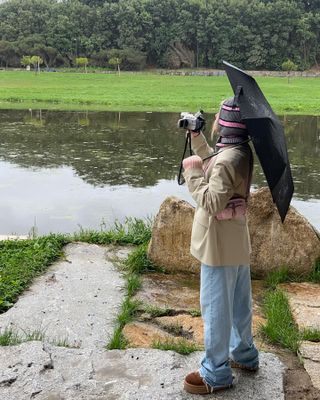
point(176, 291)
point(304, 300)
point(45, 372)
point(75, 301)
point(310, 354)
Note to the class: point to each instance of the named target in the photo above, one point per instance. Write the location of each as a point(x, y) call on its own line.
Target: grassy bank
point(146, 92)
point(21, 261)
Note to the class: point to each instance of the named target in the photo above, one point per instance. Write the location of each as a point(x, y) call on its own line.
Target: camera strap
point(181, 179)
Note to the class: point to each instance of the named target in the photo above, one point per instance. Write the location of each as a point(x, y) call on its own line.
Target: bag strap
point(181, 179)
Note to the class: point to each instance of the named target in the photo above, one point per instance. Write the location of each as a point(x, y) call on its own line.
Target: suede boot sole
point(203, 389)
point(234, 364)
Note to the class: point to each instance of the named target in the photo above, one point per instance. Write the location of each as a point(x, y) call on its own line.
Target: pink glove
point(192, 162)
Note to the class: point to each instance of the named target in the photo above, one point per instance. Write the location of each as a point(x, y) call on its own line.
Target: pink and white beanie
point(232, 130)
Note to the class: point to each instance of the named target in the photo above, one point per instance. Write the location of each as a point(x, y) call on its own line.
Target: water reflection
point(112, 151)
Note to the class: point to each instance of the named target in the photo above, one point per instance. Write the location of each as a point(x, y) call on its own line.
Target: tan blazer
point(214, 242)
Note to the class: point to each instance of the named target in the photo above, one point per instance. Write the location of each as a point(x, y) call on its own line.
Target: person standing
point(220, 239)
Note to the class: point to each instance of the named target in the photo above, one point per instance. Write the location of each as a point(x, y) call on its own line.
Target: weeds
point(129, 309)
point(154, 311)
point(133, 284)
point(117, 341)
point(138, 261)
point(9, 338)
point(21, 261)
point(133, 231)
point(313, 335)
point(181, 346)
point(195, 313)
point(280, 327)
point(315, 274)
point(275, 277)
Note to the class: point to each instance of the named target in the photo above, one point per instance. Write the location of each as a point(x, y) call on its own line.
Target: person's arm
point(199, 145)
point(214, 195)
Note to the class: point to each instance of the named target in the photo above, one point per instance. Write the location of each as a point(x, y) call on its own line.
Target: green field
point(146, 92)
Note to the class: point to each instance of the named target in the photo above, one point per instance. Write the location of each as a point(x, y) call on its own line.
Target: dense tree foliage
point(162, 33)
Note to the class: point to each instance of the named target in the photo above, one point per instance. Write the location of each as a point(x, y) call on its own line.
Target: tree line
point(253, 34)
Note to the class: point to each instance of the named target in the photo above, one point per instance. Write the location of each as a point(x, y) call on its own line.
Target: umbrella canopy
point(267, 136)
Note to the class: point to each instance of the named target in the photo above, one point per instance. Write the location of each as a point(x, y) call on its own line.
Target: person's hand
point(192, 162)
point(195, 134)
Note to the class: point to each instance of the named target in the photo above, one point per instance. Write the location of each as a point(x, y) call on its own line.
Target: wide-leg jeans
point(226, 308)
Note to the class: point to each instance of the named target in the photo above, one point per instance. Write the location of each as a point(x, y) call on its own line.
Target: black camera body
point(192, 122)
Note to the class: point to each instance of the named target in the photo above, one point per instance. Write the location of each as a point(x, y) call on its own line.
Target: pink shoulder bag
point(236, 207)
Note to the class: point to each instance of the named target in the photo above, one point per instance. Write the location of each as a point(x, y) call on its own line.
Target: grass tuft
point(181, 346)
point(138, 261)
point(275, 277)
point(315, 274)
point(154, 311)
point(132, 231)
point(133, 284)
point(195, 313)
point(312, 335)
point(23, 260)
point(9, 338)
point(117, 341)
point(280, 327)
point(129, 309)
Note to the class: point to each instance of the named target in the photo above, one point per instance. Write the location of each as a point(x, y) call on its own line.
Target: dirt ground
point(297, 383)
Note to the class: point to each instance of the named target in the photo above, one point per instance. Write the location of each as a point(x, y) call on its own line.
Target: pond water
point(63, 170)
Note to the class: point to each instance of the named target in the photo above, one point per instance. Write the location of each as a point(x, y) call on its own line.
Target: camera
point(192, 122)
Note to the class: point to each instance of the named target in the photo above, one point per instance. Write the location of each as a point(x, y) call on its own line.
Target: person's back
point(220, 240)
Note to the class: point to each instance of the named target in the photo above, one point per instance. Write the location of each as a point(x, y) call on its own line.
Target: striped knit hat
point(232, 129)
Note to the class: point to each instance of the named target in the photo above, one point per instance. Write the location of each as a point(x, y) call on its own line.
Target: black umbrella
point(267, 136)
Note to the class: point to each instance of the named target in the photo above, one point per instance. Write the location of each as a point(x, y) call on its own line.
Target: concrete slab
point(310, 354)
point(33, 370)
point(75, 301)
point(304, 300)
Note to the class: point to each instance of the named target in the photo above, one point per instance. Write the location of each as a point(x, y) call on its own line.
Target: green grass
point(280, 327)
point(313, 335)
point(275, 277)
point(181, 346)
point(132, 231)
point(146, 92)
point(138, 261)
point(9, 337)
point(129, 309)
point(283, 274)
point(23, 260)
point(154, 311)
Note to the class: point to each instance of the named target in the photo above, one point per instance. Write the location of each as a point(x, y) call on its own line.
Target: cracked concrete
point(135, 374)
point(77, 300)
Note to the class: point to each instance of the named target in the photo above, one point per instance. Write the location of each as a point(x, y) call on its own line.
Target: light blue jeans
point(226, 308)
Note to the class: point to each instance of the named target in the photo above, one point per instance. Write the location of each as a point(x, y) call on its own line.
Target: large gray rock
point(171, 235)
point(294, 244)
point(33, 370)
